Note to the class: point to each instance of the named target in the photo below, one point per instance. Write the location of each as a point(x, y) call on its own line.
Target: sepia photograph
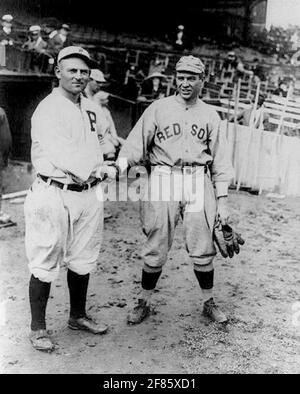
point(149, 190)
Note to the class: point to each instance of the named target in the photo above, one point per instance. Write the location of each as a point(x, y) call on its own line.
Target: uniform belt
point(185, 169)
point(73, 187)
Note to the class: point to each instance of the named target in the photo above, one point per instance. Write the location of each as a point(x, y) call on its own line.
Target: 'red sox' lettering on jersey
point(175, 134)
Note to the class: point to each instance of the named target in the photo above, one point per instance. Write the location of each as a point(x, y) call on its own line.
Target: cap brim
point(188, 69)
point(156, 76)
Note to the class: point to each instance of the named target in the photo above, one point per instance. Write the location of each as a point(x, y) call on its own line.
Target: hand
point(122, 164)
point(106, 171)
point(222, 210)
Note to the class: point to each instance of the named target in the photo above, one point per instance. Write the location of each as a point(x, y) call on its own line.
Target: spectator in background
point(132, 87)
point(258, 71)
point(259, 117)
point(5, 147)
point(282, 89)
point(6, 33)
point(153, 88)
point(233, 63)
point(35, 42)
point(59, 39)
point(38, 47)
point(230, 63)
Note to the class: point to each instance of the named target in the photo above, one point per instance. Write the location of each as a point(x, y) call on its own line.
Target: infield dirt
point(258, 289)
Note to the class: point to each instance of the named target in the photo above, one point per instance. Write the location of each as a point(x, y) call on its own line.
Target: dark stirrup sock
point(38, 297)
point(205, 279)
point(78, 285)
point(149, 279)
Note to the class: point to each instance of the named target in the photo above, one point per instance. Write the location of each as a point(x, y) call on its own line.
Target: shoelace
point(210, 305)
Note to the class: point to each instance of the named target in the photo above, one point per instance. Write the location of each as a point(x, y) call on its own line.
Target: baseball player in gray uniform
point(181, 137)
point(63, 217)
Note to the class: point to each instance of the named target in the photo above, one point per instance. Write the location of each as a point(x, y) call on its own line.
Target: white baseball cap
point(74, 51)
point(7, 18)
point(65, 26)
point(97, 75)
point(34, 28)
point(156, 75)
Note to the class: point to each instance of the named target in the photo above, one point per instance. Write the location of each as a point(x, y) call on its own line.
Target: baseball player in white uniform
point(63, 217)
point(181, 137)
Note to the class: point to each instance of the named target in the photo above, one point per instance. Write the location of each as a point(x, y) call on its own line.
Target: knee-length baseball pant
point(62, 226)
point(159, 220)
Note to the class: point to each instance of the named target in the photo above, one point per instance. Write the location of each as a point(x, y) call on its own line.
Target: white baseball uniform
point(63, 225)
point(174, 135)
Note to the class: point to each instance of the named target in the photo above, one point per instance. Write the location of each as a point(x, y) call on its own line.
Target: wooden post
point(278, 138)
point(251, 127)
point(286, 102)
point(236, 109)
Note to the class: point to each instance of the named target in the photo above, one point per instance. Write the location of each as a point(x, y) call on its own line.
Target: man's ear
point(57, 72)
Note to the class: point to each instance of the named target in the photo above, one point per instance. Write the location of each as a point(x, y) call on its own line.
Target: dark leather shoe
point(40, 340)
point(87, 324)
point(211, 310)
point(139, 312)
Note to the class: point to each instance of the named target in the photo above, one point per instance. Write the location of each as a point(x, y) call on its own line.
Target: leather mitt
point(227, 240)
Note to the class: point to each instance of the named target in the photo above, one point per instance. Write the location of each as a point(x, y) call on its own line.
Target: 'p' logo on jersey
point(93, 120)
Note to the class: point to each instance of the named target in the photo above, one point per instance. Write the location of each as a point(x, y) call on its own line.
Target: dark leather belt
point(73, 187)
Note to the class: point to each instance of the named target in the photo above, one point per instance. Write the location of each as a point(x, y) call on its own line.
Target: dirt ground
point(259, 290)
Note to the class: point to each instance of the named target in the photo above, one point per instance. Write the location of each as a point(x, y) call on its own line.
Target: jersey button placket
point(186, 140)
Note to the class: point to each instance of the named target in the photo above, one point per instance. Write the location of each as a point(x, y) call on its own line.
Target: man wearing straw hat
point(181, 138)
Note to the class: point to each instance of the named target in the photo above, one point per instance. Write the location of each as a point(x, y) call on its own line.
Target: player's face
point(73, 75)
point(188, 85)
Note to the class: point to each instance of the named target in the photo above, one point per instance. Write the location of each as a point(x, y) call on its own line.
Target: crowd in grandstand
point(148, 79)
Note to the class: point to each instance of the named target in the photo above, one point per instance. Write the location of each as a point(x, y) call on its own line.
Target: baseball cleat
point(86, 323)
point(40, 340)
point(138, 313)
point(212, 311)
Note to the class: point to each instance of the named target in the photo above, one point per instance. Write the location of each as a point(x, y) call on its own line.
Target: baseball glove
point(227, 240)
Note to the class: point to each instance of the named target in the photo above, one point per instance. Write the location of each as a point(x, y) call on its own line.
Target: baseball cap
point(97, 75)
point(191, 64)
point(34, 28)
point(7, 18)
point(156, 75)
point(74, 51)
point(65, 26)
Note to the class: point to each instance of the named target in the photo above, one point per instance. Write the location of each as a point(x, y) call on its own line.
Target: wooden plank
point(251, 127)
point(278, 113)
point(285, 123)
point(11, 196)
